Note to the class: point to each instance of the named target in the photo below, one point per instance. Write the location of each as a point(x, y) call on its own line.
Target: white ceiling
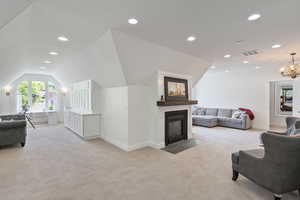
point(25, 40)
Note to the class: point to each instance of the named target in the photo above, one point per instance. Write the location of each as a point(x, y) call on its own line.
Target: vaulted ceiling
point(29, 31)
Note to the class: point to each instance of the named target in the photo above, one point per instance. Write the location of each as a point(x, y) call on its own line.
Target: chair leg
point(235, 175)
point(277, 196)
point(299, 191)
point(22, 144)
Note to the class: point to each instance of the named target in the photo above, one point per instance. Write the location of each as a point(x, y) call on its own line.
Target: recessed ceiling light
point(191, 39)
point(53, 53)
point(254, 17)
point(257, 67)
point(63, 39)
point(213, 67)
point(47, 62)
point(227, 56)
point(133, 21)
point(43, 68)
point(275, 46)
point(227, 71)
point(245, 62)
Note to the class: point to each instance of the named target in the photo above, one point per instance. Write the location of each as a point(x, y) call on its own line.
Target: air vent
point(250, 53)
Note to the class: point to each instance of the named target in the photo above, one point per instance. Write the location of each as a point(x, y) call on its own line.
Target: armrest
point(247, 122)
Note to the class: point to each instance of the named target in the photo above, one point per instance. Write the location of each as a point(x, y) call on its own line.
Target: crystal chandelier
point(292, 70)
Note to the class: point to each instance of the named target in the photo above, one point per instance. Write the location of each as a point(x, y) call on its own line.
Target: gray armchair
point(275, 168)
point(13, 130)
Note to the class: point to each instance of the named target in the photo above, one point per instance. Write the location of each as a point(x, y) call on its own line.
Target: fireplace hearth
point(176, 126)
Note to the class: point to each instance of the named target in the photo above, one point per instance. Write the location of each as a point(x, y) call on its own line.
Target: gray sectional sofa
point(13, 130)
point(211, 117)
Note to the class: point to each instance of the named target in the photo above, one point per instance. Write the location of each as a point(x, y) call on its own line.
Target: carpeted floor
point(57, 165)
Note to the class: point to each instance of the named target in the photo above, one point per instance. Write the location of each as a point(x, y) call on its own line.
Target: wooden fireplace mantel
point(176, 103)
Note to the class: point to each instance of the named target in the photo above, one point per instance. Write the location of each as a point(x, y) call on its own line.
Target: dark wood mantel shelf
point(176, 103)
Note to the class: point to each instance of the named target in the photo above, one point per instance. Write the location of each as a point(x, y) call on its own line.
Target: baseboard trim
point(116, 143)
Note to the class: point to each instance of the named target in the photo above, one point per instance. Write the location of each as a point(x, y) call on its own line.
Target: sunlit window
point(36, 96)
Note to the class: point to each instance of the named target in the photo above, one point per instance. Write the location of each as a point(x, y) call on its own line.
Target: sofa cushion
point(12, 124)
point(200, 111)
point(237, 114)
point(230, 122)
point(212, 111)
point(205, 120)
point(225, 113)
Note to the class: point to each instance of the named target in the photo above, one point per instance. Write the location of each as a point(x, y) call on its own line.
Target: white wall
point(114, 114)
point(242, 87)
point(139, 107)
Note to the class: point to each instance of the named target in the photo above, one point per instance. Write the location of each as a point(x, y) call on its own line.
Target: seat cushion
point(256, 153)
point(230, 122)
point(212, 111)
point(225, 113)
point(205, 120)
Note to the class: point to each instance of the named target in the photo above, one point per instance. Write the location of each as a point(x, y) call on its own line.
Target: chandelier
point(292, 70)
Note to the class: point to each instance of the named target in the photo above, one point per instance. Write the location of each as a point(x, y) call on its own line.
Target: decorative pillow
point(199, 111)
point(237, 114)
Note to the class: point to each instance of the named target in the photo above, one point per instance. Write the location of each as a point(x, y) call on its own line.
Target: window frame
point(41, 78)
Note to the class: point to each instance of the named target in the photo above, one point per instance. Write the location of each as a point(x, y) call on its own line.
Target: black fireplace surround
point(176, 128)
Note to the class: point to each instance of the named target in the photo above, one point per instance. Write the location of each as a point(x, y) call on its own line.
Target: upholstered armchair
point(276, 167)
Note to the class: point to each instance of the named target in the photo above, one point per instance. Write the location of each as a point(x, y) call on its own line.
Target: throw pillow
point(236, 114)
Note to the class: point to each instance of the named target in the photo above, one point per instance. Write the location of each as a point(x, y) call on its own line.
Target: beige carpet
point(57, 165)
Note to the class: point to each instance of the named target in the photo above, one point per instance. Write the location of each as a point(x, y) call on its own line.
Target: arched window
point(37, 95)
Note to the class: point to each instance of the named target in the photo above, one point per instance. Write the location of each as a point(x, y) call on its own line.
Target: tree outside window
point(36, 96)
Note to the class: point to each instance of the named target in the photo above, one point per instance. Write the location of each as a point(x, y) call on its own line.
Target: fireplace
point(176, 126)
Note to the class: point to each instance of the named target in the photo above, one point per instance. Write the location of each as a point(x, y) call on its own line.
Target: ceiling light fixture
point(292, 70)
point(227, 71)
point(47, 62)
point(213, 67)
point(133, 21)
point(191, 39)
point(245, 62)
point(275, 46)
point(53, 53)
point(63, 39)
point(227, 56)
point(254, 17)
point(257, 67)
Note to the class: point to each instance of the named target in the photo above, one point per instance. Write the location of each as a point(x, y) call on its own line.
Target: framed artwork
point(176, 89)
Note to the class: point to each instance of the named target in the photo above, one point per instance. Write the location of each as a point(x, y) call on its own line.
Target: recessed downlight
point(254, 17)
point(245, 61)
point(213, 67)
point(63, 38)
point(191, 38)
point(227, 71)
point(257, 67)
point(275, 46)
point(53, 53)
point(133, 21)
point(47, 62)
point(227, 56)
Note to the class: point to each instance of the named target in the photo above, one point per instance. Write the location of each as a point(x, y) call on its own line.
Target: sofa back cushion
point(225, 113)
point(199, 111)
point(212, 111)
